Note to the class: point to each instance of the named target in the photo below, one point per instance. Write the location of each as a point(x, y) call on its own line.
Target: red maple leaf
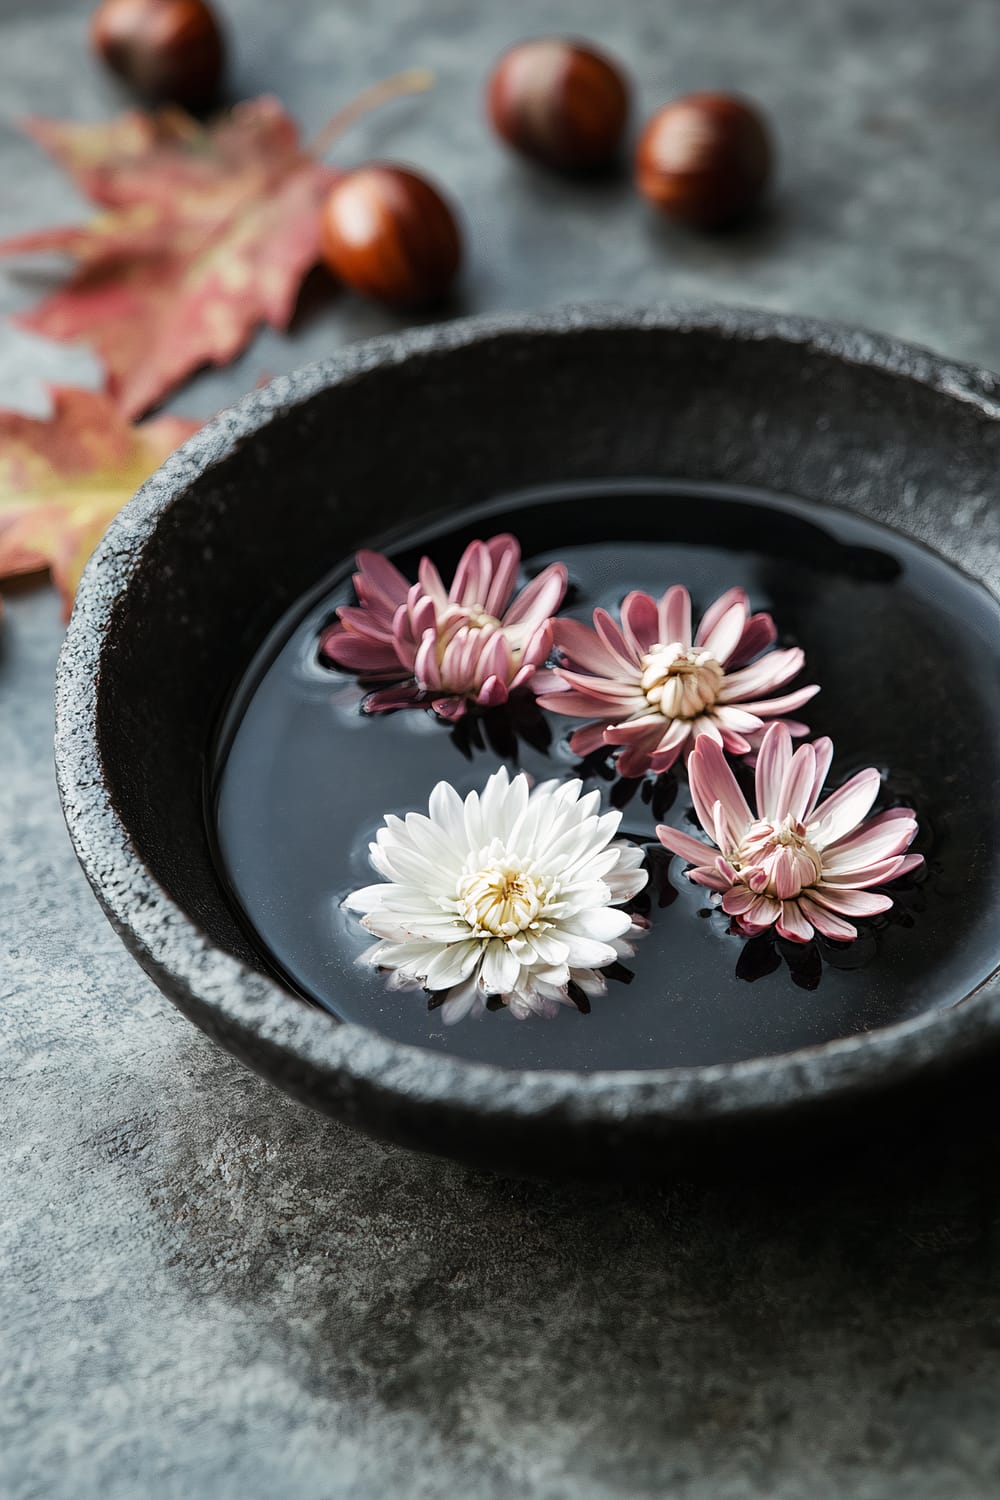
point(62, 480)
point(207, 231)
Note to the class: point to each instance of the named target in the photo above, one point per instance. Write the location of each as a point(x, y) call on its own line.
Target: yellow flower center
point(478, 619)
point(783, 853)
point(500, 901)
point(456, 619)
point(682, 682)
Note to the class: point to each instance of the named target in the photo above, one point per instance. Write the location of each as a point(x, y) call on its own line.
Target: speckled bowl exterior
point(254, 509)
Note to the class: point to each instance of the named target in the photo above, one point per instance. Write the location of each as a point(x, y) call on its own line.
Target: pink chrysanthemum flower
point(792, 865)
point(653, 688)
point(446, 648)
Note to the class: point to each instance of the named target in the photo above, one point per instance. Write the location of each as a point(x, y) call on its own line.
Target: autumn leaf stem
point(412, 81)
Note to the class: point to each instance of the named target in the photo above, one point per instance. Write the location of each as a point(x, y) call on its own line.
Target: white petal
point(500, 969)
point(412, 958)
point(445, 808)
point(463, 1000)
point(547, 947)
point(450, 965)
point(587, 953)
point(432, 841)
point(492, 801)
point(398, 982)
point(628, 884)
point(590, 982)
point(397, 927)
point(368, 898)
point(602, 925)
point(408, 866)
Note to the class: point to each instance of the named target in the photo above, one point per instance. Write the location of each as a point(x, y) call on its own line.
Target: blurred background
point(884, 209)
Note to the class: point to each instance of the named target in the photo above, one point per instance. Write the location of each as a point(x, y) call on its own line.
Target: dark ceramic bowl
point(243, 521)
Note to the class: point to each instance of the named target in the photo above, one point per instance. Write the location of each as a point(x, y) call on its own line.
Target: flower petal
point(708, 875)
point(385, 700)
point(797, 784)
point(464, 1000)
point(620, 690)
point(714, 613)
point(359, 653)
point(763, 676)
point(445, 807)
point(759, 633)
point(768, 707)
point(647, 730)
point(823, 749)
point(471, 582)
point(674, 611)
point(873, 874)
point(368, 898)
point(452, 964)
point(505, 559)
point(640, 621)
point(500, 969)
point(724, 637)
point(540, 599)
point(635, 760)
point(763, 913)
point(425, 667)
point(731, 717)
point(383, 575)
point(711, 781)
point(603, 924)
point(848, 903)
point(825, 922)
point(431, 582)
point(450, 708)
point(869, 846)
point(772, 761)
point(492, 693)
point(583, 647)
point(627, 660)
point(584, 741)
point(586, 953)
point(793, 923)
point(682, 844)
point(738, 901)
point(841, 813)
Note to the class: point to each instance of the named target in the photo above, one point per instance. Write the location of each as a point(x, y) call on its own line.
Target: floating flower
point(793, 865)
point(655, 690)
point(511, 893)
point(473, 643)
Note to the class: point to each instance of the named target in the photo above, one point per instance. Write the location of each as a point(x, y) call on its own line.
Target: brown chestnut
point(166, 49)
point(561, 102)
point(388, 233)
point(704, 159)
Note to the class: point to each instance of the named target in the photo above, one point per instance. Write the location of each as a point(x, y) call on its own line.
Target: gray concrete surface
point(205, 1291)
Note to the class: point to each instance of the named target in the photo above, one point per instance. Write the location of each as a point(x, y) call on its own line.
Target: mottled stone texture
point(206, 1290)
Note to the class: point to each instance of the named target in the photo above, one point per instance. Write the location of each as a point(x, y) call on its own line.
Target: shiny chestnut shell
point(560, 102)
point(704, 159)
point(166, 49)
point(387, 232)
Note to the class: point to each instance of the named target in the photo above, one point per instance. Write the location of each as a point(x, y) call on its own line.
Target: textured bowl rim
point(247, 1010)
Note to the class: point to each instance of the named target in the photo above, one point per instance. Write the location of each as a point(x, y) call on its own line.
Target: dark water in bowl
point(906, 650)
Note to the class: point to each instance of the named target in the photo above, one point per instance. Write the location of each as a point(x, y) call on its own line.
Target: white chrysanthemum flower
point(510, 893)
